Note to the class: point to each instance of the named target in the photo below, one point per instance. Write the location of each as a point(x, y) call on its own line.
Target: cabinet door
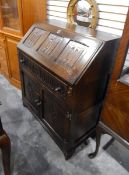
point(56, 115)
point(3, 60)
point(13, 61)
point(32, 93)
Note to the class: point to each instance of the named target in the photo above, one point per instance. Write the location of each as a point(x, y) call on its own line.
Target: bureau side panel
point(90, 90)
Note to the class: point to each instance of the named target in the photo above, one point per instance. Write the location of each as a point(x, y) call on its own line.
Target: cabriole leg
point(98, 137)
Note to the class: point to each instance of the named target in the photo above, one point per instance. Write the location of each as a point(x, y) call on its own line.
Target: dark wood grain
point(64, 77)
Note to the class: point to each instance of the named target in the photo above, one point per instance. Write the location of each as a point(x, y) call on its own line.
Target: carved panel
point(34, 37)
point(71, 54)
point(56, 115)
point(32, 92)
point(50, 44)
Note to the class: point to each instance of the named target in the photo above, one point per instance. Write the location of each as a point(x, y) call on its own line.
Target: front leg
point(68, 154)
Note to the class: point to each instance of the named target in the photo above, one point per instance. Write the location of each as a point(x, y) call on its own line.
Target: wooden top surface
point(100, 35)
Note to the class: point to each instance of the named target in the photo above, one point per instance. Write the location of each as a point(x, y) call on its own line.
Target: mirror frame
point(94, 11)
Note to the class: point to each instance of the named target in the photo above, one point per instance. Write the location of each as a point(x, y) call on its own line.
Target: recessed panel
point(71, 54)
point(34, 37)
point(50, 44)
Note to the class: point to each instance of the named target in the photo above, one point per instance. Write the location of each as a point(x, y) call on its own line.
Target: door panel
point(33, 93)
point(55, 114)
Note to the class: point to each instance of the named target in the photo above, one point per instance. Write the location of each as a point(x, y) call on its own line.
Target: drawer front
point(52, 83)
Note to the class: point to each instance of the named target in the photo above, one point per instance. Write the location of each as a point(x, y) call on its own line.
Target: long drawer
point(48, 80)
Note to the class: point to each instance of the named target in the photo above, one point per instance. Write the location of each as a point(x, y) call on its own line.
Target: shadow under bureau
point(64, 73)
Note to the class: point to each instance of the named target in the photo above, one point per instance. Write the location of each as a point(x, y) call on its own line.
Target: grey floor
point(35, 153)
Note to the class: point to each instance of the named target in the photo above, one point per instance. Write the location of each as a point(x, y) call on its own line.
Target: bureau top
point(60, 50)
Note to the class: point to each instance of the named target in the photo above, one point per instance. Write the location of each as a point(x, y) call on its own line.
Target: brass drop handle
point(58, 89)
point(39, 103)
point(36, 100)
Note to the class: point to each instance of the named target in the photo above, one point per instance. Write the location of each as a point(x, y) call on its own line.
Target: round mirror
point(83, 12)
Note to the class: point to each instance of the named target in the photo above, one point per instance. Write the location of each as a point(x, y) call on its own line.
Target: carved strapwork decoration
point(83, 12)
